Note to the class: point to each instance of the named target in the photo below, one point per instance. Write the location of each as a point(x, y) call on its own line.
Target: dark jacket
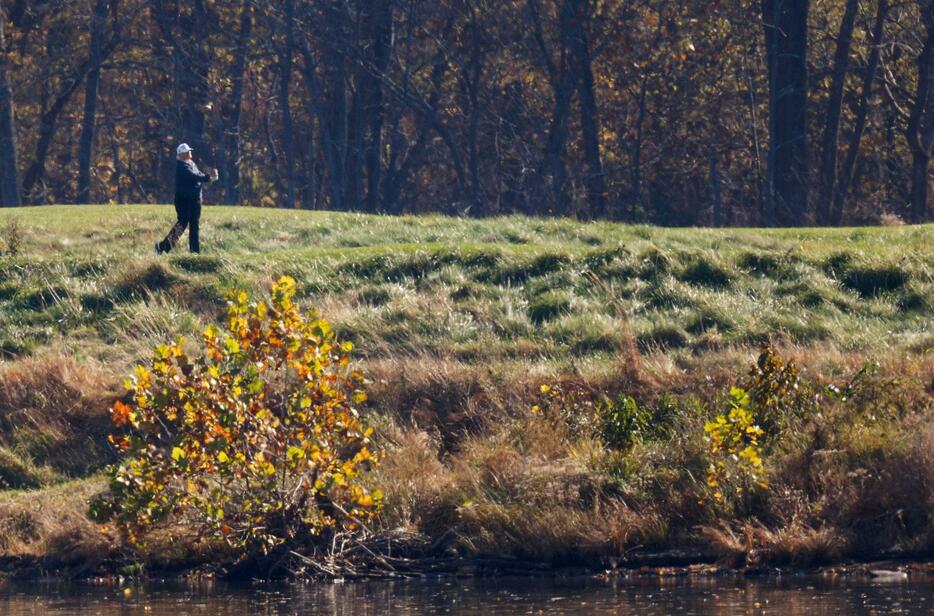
point(188, 181)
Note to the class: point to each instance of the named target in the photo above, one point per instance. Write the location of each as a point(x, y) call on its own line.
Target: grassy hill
point(472, 289)
point(457, 322)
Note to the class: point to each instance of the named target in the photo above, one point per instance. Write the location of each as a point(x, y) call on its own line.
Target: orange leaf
point(120, 413)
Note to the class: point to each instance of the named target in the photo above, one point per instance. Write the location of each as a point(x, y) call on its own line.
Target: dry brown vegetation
point(53, 419)
point(51, 527)
point(856, 481)
point(753, 544)
point(468, 467)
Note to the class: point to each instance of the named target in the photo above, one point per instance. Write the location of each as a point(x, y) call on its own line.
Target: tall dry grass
point(467, 465)
point(467, 460)
point(752, 544)
point(51, 527)
point(53, 412)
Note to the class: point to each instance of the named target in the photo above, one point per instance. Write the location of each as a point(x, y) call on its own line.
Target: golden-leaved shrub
point(257, 440)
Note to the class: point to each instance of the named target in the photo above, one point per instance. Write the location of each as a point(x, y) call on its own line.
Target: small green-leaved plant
point(622, 422)
point(780, 398)
point(734, 449)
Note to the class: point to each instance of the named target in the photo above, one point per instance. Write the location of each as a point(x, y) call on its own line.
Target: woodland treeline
point(778, 112)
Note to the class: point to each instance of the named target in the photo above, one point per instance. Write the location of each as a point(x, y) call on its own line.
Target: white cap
point(182, 149)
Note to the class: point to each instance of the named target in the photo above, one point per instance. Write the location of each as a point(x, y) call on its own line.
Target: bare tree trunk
point(828, 165)
point(555, 147)
point(9, 179)
point(380, 41)
point(335, 138)
point(356, 125)
point(318, 103)
point(91, 84)
point(786, 46)
point(117, 177)
point(891, 180)
point(559, 75)
point(353, 166)
point(920, 132)
point(328, 97)
point(754, 128)
point(771, 59)
point(635, 159)
point(576, 12)
point(717, 195)
point(231, 141)
point(859, 126)
point(474, 71)
point(327, 102)
point(310, 193)
point(285, 79)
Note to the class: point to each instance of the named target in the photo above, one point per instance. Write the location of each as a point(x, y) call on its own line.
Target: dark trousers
point(188, 216)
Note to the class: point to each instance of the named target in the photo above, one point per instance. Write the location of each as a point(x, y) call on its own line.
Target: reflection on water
point(789, 595)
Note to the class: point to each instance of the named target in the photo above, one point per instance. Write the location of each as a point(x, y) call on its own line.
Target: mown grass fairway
point(457, 323)
point(473, 289)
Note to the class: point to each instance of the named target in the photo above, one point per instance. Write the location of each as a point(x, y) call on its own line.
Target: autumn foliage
point(733, 446)
point(257, 440)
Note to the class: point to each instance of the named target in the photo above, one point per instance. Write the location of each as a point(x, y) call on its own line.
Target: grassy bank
point(457, 324)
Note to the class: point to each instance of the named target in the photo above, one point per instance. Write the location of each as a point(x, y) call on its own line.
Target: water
point(789, 595)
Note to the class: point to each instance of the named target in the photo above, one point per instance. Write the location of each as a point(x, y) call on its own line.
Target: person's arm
point(195, 176)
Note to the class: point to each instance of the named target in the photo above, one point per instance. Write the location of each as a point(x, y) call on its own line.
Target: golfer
point(188, 181)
